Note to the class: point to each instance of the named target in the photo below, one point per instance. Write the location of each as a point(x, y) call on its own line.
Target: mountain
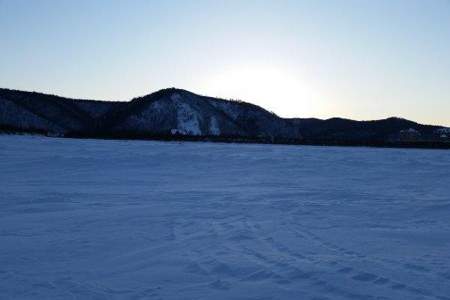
point(166, 114)
point(395, 131)
point(175, 114)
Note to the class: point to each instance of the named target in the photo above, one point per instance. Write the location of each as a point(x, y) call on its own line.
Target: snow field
point(93, 219)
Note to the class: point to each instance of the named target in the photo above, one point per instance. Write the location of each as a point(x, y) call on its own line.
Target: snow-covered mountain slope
point(47, 113)
point(97, 219)
point(178, 112)
point(14, 116)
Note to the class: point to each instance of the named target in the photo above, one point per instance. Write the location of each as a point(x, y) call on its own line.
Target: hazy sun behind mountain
point(278, 88)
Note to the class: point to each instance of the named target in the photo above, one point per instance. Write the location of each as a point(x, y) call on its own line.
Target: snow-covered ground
point(88, 219)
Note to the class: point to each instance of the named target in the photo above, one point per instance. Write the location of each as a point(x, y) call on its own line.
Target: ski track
point(86, 219)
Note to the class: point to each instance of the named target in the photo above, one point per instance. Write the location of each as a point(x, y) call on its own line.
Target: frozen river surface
point(87, 219)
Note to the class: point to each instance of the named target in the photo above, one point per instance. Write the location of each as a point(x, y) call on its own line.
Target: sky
point(359, 59)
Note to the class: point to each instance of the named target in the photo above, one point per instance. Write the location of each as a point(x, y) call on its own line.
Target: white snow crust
point(93, 219)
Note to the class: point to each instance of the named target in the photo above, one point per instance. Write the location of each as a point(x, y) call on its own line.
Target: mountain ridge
point(177, 114)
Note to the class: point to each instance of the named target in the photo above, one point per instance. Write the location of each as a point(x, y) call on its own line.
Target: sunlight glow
point(277, 89)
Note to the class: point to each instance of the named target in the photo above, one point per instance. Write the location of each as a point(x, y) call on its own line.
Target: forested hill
point(175, 114)
point(166, 114)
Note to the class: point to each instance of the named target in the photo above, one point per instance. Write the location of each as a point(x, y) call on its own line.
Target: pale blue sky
point(362, 59)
